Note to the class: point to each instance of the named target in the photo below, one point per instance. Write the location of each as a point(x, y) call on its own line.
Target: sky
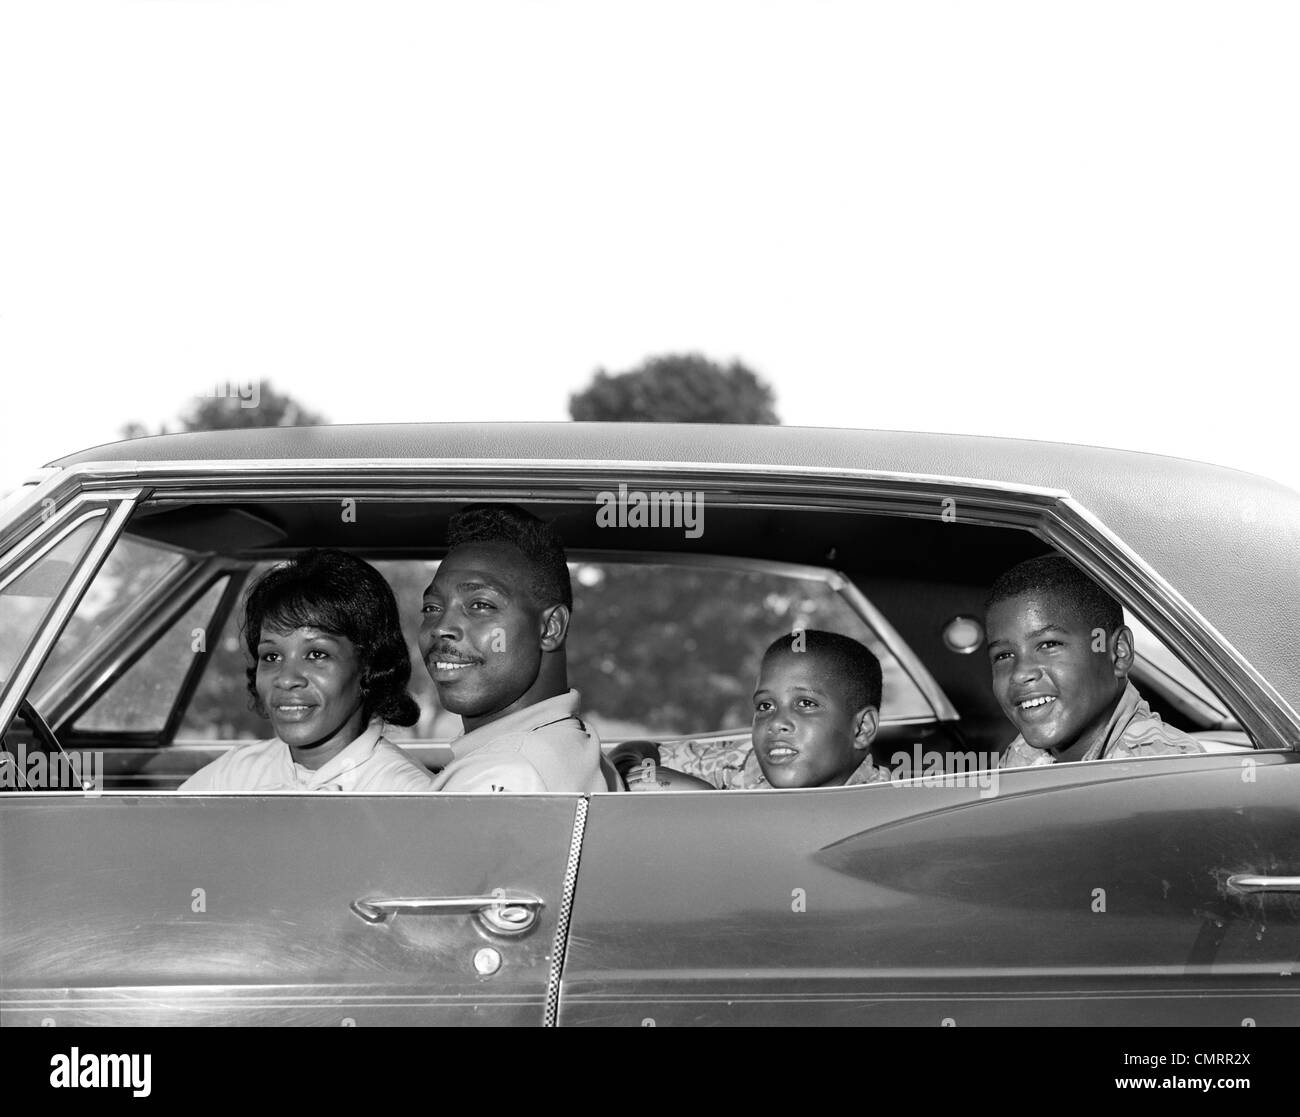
point(1073, 222)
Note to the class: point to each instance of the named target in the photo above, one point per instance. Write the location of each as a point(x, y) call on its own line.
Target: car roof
point(1228, 540)
point(968, 456)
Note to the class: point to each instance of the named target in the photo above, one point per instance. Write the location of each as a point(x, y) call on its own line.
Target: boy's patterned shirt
point(1133, 730)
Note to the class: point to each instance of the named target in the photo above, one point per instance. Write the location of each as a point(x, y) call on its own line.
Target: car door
point(162, 909)
point(153, 907)
point(1118, 892)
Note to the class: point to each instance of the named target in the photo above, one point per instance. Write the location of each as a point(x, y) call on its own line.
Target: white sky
point(1064, 221)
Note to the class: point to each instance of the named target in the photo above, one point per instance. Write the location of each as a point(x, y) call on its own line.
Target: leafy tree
point(677, 388)
point(269, 408)
point(238, 406)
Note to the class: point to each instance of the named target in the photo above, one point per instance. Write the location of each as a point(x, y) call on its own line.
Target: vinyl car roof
point(1228, 540)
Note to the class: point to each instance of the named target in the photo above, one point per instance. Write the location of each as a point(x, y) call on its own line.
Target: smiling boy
point(1061, 654)
point(492, 636)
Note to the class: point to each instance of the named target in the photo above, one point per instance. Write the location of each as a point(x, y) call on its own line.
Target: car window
point(1159, 669)
point(27, 597)
point(132, 569)
point(141, 700)
point(655, 650)
point(668, 649)
point(663, 644)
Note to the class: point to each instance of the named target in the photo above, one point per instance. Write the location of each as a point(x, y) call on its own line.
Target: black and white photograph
point(545, 513)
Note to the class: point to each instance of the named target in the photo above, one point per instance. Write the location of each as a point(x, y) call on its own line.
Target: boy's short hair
point(852, 664)
point(537, 540)
point(345, 596)
point(1057, 575)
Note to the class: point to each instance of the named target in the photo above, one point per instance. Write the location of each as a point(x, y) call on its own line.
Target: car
point(1160, 890)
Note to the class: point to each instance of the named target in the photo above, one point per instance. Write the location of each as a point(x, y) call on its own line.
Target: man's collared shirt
point(1133, 730)
point(543, 747)
point(370, 763)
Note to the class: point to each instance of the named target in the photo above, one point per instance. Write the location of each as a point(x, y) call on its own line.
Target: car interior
point(666, 636)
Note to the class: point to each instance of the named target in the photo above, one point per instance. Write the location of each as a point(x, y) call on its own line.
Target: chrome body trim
point(1255, 884)
point(560, 944)
point(201, 471)
point(42, 545)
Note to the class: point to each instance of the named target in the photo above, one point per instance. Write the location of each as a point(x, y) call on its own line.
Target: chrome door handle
point(1244, 882)
point(504, 912)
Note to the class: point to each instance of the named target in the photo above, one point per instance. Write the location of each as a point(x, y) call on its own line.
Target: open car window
point(670, 649)
point(656, 649)
point(664, 645)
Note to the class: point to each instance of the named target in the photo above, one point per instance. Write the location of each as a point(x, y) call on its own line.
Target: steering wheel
point(40, 729)
point(42, 735)
point(630, 754)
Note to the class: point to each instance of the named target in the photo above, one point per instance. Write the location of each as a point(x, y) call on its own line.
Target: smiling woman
point(328, 660)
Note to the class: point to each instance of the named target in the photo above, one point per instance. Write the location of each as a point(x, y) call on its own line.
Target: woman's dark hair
point(344, 596)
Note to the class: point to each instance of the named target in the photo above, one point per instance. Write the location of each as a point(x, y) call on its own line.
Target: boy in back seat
point(816, 712)
point(1061, 656)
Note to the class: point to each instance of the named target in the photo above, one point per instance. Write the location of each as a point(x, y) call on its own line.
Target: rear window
point(656, 649)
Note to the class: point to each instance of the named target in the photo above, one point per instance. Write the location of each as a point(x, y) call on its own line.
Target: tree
point(677, 388)
point(238, 406)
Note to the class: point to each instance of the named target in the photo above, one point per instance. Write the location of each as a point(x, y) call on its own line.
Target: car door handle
point(1244, 882)
point(504, 912)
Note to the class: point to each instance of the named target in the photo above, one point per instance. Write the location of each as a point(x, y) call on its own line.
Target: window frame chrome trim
point(22, 519)
point(41, 545)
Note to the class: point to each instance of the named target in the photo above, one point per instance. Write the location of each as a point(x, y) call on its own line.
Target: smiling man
point(492, 633)
point(1061, 655)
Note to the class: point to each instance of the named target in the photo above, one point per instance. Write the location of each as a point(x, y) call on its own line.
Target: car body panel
point(1060, 895)
point(161, 909)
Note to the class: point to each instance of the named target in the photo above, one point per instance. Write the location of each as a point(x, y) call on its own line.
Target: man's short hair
point(1058, 576)
point(537, 540)
point(849, 664)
